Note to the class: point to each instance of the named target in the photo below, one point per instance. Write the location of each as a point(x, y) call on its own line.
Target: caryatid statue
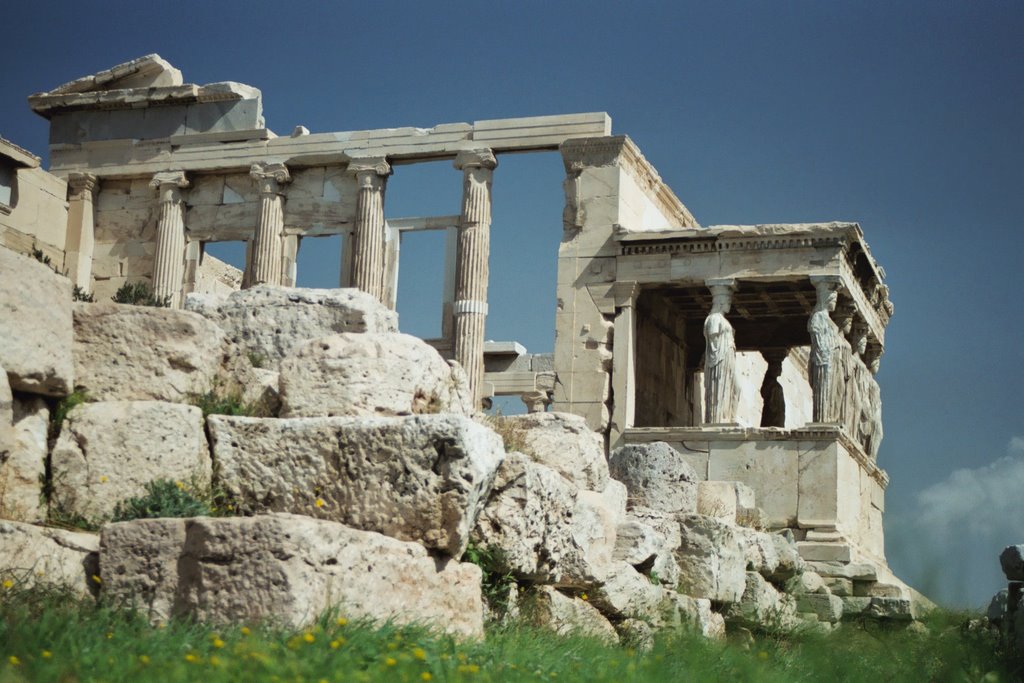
point(826, 362)
point(719, 357)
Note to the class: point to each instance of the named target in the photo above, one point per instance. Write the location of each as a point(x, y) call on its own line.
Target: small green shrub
point(164, 498)
point(497, 579)
point(60, 411)
point(257, 360)
point(138, 294)
point(216, 402)
point(79, 294)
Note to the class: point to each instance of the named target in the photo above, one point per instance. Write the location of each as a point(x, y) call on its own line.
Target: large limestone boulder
point(33, 556)
point(288, 568)
point(712, 560)
point(763, 608)
point(566, 444)
point(269, 322)
point(140, 353)
point(544, 529)
point(23, 464)
point(627, 594)
point(35, 326)
point(419, 478)
point(760, 550)
point(368, 374)
point(547, 608)
point(657, 477)
point(108, 452)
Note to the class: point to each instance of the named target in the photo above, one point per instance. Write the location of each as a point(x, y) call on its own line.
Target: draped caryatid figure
point(826, 364)
point(719, 358)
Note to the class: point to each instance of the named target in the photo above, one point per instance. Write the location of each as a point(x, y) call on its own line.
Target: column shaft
point(267, 247)
point(471, 269)
point(369, 257)
point(169, 260)
point(81, 227)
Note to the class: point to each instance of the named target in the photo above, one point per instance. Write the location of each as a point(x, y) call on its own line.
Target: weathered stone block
point(723, 499)
point(368, 374)
point(420, 478)
point(36, 334)
point(566, 444)
point(544, 529)
point(270, 321)
point(141, 353)
point(23, 460)
point(711, 559)
point(813, 551)
point(550, 609)
point(760, 551)
point(210, 568)
point(762, 608)
point(826, 606)
point(33, 555)
point(107, 452)
point(656, 476)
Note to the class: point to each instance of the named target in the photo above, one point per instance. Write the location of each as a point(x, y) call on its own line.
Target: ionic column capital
point(475, 158)
point(269, 177)
point(80, 184)
point(169, 184)
point(370, 172)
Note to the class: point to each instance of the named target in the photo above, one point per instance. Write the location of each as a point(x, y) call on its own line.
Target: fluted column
point(169, 261)
point(369, 256)
point(471, 268)
point(81, 225)
point(267, 250)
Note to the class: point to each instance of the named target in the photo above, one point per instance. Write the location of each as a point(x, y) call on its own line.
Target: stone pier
point(81, 228)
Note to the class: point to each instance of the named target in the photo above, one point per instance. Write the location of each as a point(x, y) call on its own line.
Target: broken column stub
point(36, 333)
point(268, 322)
point(371, 375)
point(206, 568)
point(421, 478)
point(657, 477)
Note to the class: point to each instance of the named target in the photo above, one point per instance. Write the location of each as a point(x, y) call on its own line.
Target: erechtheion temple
point(751, 350)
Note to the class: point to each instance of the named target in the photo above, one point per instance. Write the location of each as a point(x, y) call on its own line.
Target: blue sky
point(907, 117)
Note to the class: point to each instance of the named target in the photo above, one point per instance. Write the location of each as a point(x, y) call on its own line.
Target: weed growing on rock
point(497, 580)
point(511, 432)
point(138, 294)
point(60, 410)
point(164, 498)
point(217, 402)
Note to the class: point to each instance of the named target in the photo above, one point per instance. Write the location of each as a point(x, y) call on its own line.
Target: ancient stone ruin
point(701, 447)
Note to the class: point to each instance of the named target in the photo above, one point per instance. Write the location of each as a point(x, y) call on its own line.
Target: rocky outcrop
point(543, 529)
point(566, 444)
point(284, 567)
point(656, 476)
point(33, 556)
point(419, 478)
point(368, 375)
point(36, 333)
point(23, 459)
point(108, 452)
point(269, 322)
point(141, 353)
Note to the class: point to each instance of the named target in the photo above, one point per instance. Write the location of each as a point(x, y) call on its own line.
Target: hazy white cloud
point(949, 543)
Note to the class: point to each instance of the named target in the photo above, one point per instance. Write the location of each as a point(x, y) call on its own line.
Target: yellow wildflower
point(14, 660)
point(110, 635)
point(190, 657)
point(245, 630)
point(47, 654)
point(180, 484)
point(214, 661)
point(583, 596)
point(341, 621)
point(426, 676)
point(96, 579)
point(8, 583)
point(762, 655)
point(392, 646)
point(391, 661)
point(144, 659)
point(217, 642)
point(308, 637)
point(103, 479)
point(419, 653)
point(320, 502)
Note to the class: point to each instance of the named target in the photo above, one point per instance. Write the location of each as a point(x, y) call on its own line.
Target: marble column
point(81, 226)
point(719, 357)
point(773, 413)
point(369, 259)
point(169, 261)
point(623, 413)
point(267, 263)
point(471, 268)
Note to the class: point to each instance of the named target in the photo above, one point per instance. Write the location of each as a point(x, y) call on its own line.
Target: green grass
point(52, 637)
